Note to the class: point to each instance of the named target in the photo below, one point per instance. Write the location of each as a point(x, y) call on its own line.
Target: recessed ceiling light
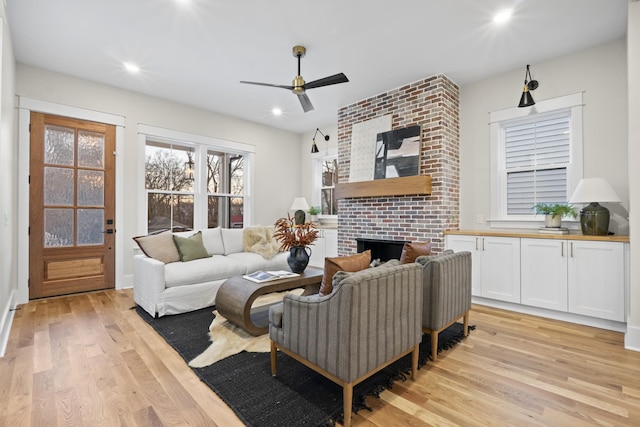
point(276, 111)
point(503, 16)
point(132, 68)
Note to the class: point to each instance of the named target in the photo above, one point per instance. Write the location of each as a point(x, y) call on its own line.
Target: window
point(325, 172)
point(194, 183)
point(537, 155)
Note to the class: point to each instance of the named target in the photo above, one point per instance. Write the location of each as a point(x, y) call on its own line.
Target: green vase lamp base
point(594, 220)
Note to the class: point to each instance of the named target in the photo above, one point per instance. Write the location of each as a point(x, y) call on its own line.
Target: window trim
point(497, 119)
point(201, 145)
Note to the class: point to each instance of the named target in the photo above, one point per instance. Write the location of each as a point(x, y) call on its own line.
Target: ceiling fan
point(299, 86)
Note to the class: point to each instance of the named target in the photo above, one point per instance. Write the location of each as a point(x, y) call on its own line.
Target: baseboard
point(632, 338)
point(6, 321)
point(552, 314)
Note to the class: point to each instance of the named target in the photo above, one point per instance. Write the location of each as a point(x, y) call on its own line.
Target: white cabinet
point(579, 276)
point(326, 245)
point(544, 273)
point(495, 263)
point(576, 277)
point(597, 279)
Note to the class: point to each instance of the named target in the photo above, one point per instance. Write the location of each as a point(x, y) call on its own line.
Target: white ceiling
point(196, 53)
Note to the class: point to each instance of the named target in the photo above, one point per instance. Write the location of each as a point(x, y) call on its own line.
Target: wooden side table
point(235, 296)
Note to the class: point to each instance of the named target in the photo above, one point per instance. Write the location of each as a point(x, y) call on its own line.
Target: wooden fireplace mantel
point(406, 185)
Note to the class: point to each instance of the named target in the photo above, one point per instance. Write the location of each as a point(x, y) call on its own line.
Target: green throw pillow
point(191, 248)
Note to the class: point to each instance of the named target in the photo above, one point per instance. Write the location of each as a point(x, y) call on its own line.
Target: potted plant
point(295, 238)
point(314, 211)
point(554, 212)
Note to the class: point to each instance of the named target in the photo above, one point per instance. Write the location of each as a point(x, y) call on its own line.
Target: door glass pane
point(58, 186)
point(58, 227)
point(58, 145)
point(90, 188)
point(90, 149)
point(90, 226)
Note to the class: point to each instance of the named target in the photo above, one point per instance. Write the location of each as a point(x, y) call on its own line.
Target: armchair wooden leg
point(434, 345)
point(274, 358)
point(347, 400)
point(465, 328)
point(414, 362)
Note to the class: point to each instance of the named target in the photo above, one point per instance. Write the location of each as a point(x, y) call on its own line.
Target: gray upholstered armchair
point(446, 293)
point(371, 319)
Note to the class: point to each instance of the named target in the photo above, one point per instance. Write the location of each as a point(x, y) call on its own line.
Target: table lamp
point(594, 218)
point(299, 205)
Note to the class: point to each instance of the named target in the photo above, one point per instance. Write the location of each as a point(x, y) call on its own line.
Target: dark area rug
point(297, 396)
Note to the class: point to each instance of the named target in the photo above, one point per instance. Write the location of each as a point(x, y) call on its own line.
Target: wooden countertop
point(531, 234)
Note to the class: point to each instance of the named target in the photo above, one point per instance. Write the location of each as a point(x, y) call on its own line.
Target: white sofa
point(178, 287)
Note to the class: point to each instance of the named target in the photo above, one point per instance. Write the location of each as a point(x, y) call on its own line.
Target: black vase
point(298, 258)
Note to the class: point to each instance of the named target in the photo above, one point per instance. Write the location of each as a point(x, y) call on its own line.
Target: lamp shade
point(299, 203)
point(594, 190)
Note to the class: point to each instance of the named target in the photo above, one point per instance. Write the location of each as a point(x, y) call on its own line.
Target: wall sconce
point(526, 100)
point(314, 147)
point(594, 218)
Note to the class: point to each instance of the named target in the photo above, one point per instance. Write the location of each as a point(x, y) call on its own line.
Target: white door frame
point(25, 107)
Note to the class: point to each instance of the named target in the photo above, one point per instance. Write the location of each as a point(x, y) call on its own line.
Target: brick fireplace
point(431, 103)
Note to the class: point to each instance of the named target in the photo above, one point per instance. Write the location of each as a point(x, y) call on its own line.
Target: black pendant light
point(526, 100)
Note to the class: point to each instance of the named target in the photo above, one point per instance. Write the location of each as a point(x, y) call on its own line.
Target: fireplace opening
point(384, 250)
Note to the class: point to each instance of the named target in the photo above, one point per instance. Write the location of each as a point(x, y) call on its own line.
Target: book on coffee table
point(265, 276)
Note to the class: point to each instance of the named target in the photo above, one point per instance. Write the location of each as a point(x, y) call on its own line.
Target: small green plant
point(555, 209)
point(314, 210)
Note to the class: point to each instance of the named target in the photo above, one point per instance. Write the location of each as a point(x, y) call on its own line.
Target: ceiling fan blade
point(305, 102)
point(268, 84)
point(331, 80)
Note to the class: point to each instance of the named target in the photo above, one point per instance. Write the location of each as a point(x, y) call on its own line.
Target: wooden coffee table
point(235, 296)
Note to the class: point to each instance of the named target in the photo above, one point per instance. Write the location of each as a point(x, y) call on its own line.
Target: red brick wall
point(431, 103)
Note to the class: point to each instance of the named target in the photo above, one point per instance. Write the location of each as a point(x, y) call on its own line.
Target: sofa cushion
point(232, 240)
point(255, 262)
point(217, 267)
point(159, 246)
point(411, 251)
point(349, 263)
point(425, 260)
point(191, 247)
point(212, 240)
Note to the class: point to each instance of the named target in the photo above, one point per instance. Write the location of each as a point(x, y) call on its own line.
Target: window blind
point(537, 156)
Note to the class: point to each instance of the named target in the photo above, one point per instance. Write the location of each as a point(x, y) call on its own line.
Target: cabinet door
point(500, 268)
point(543, 264)
point(317, 251)
point(470, 244)
point(596, 279)
point(330, 243)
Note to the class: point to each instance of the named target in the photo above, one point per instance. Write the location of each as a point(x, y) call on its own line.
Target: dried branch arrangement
point(289, 234)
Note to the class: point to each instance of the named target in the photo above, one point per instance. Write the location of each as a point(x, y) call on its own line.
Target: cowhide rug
point(227, 338)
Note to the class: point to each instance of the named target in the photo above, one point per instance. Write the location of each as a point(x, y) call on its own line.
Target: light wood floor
point(89, 360)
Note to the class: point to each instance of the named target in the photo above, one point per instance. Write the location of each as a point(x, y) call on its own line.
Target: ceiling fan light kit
point(299, 86)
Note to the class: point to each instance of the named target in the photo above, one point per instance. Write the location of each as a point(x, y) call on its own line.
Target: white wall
point(8, 184)
point(632, 338)
point(277, 153)
point(600, 72)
